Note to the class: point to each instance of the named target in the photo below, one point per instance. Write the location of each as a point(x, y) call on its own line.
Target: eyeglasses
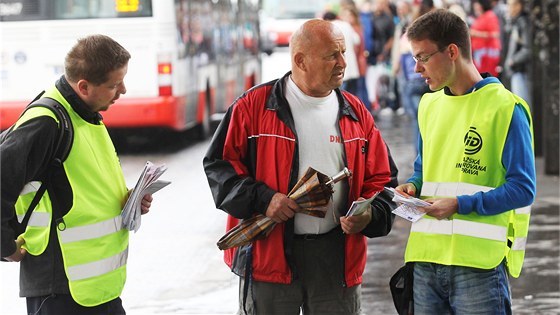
point(425, 59)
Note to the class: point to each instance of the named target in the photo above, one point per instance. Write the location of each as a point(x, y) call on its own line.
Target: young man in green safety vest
point(476, 167)
point(74, 249)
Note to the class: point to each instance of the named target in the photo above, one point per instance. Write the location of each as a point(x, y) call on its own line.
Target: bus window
point(29, 10)
point(21, 10)
point(72, 9)
point(80, 9)
point(190, 58)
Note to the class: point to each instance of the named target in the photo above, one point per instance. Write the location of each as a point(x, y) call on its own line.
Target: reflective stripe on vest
point(40, 219)
point(91, 231)
point(519, 243)
point(524, 210)
point(475, 229)
point(37, 218)
point(452, 189)
point(462, 227)
point(30, 187)
point(97, 268)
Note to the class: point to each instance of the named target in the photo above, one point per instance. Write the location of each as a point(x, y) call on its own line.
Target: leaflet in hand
point(408, 205)
point(360, 206)
point(148, 183)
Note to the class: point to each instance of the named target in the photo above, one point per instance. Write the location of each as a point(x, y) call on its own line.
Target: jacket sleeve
point(24, 156)
point(228, 169)
point(382, 207)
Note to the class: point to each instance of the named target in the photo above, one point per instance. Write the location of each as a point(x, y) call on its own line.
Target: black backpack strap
point(66, 131)
point(63, 144)
point(38, 195)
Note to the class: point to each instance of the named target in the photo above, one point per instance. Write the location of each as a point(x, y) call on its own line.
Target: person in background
point(456, 7)
point(476, 168)
point(384, 30)
point(424, 7)
point(378, 78)
point(264, 144)
point(404, 16)
point(500, 9)
point(349, 12)
point(366, 19)
point(518, 51)
point(352, 41)
point(74, 261)
point(485, 36)
point(413, 86)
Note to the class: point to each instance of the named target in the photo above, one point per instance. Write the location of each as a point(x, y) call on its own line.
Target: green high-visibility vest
point(93, 242)
point(463, 140)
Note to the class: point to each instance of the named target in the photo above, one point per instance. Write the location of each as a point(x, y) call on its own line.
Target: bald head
point(311, 33)
point(317, 54)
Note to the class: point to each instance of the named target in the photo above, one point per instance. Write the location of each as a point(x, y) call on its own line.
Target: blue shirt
point(518, 159)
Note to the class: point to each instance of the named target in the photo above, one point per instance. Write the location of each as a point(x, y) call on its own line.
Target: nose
point(418, 67)
point(342, 60)
point(122, 88)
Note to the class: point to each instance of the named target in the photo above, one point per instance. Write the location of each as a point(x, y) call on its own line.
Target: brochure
point(408, 205)
point(148, 183)
point(360, 206)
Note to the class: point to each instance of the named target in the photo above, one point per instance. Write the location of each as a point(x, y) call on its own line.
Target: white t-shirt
point(320, 146)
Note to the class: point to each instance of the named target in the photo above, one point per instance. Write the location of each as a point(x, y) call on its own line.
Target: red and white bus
point(190, 58)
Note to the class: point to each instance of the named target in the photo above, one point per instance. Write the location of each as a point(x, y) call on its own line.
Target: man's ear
point(299, 60)
point(453, 51)
point(83, 88)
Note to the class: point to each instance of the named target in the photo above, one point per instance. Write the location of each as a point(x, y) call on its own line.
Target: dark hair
point(93, 57)
point(485, 4)
point(443, 28)
point(329, 16)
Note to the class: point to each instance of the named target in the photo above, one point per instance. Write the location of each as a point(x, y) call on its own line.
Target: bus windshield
point(294, 9)
point(33, 10)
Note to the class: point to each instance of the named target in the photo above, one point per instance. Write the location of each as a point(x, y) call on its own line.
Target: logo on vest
point(473, 142)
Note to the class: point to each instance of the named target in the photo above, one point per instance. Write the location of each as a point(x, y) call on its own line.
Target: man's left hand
point(441, 208)
point(356, 223)
point(146, 203)
point(20, 253)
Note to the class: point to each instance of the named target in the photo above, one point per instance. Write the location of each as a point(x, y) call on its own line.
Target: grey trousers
point(319, 287)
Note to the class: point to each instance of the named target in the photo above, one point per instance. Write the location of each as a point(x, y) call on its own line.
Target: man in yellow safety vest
point(476, 167)
point(74, 248)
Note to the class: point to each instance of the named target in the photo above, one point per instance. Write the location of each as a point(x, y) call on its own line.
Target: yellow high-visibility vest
point(463, 140)
point(93, 242)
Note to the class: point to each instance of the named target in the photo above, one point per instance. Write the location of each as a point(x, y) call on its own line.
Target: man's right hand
point(18, 255)
point(407, 188)
point(281, 208)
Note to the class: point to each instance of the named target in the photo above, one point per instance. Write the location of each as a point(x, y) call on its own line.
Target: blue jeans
point(440, 289)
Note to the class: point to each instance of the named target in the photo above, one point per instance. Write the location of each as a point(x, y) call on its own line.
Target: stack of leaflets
point(148, 183)
point(408, 205)
point(360, 206)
